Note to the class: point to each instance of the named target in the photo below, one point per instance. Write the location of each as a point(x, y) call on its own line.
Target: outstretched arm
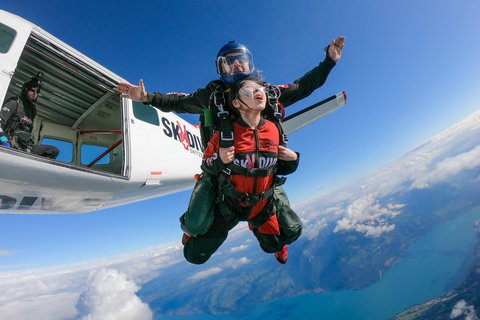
point(133, 92)
point(315, 78)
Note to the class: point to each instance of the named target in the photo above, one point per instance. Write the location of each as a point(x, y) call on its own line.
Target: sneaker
point(185, 238)
point(281, 255)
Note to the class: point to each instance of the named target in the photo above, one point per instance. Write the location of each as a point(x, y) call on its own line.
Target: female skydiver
point(247, 174)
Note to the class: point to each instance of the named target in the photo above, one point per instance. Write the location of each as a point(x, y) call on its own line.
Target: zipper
point(256, 164)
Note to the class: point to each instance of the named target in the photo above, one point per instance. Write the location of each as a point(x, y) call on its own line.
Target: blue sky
point(410, 70)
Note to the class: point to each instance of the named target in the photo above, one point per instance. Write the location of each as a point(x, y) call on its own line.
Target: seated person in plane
point(16, 121)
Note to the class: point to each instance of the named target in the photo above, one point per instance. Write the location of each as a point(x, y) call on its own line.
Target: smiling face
point(237, 62)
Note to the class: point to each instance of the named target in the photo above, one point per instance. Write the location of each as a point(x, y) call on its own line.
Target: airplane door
point(13, 36)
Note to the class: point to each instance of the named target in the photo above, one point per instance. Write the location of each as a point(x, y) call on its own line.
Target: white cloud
point(312, 230)
point(237, 249)
point(111, 295)
point(54, 291)
point(449, 167)
point(461, 308)
point(335, 210)
point(476, 226)
point(367, 216)
point(235, 263)
point(205, 274)
point(53, 307)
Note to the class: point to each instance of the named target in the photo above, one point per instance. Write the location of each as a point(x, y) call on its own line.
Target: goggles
point(249, 89)
point(37, 90)
point(240, 58)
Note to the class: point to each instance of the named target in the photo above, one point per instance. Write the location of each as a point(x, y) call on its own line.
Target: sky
point(410, 70)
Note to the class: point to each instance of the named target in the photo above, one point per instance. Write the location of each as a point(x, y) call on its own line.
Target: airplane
point(104, 139)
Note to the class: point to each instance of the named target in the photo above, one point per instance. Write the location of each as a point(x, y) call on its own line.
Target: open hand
point(335, 48)
point(130, 91)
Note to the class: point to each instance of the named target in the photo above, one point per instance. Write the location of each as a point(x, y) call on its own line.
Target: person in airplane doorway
point(246, 173)
point(16, 120)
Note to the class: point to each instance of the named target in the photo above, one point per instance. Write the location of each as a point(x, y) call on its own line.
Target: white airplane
point(80, 111)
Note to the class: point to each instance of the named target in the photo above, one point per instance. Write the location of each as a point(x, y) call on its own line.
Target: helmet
point(35, 82)
point(234, 62)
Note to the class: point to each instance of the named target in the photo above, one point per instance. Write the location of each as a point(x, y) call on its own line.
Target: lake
point(432, 266)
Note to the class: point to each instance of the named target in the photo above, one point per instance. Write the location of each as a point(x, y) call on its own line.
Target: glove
point(4, 141)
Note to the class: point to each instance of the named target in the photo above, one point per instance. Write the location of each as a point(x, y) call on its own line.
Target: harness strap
point(254, 172)
point(281, 129)
point(226, 189)
point(263, 216)
point(226, 129)
point(273, 94)
point(12, 124)
point(226, 124)
point(247, 198)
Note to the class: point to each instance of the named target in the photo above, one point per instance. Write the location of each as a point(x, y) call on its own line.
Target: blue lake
point(433, 265)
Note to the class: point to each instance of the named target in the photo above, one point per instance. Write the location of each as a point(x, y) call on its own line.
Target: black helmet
point(35, 82)
point(227, 56)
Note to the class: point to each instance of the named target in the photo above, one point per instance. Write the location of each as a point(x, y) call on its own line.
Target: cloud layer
point(363, 205)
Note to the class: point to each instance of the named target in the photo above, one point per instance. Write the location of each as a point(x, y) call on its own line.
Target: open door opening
point(78, 109)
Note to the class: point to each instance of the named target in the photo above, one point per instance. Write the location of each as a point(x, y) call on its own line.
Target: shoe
point(185, 238)
point(281, 255)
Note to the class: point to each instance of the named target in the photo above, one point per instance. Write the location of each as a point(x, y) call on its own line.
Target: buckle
point(226, 136)
point(219, 99)
point(246, 199)
point(227, 171)
point(261, 196)
point(222, 114)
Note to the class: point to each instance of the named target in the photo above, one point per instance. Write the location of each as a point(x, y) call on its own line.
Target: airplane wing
point(311, 114)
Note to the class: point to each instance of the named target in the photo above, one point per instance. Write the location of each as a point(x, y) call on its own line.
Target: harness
point(218, 118)
point(227, 195)
point(20, 126)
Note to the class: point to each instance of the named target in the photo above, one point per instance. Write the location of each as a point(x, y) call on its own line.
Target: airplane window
point(7, 35)
point(90, 153)
point(66, 149)
point(145, 113)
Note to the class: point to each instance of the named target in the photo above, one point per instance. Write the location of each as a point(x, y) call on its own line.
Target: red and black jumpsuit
point(254, 149)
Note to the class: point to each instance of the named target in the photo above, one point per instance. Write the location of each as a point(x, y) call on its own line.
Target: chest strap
point(226, 188)
point(253, 172)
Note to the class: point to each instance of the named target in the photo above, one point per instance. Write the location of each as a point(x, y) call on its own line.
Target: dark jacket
point(196, 102)
point(16, 119)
